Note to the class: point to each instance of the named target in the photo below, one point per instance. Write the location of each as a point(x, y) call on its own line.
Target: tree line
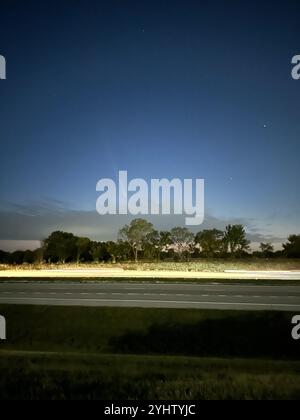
point(141, 241)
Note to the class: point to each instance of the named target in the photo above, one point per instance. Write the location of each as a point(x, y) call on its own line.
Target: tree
point(164, 243)
point(267, 249)
point(4, 257)
point(98, 251)
point(235, 239)
point(182, 241)
point(152, 245)
point(124, 250)
point(60, 246)
point(17, 257)
point(210, 241)
point(165, 238)
point(29, 257)
point(39, 254)
point(292, 247)
point(82, 246)
point(136, 234)
point(113, 250)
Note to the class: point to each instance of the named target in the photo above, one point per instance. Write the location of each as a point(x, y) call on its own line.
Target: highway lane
point(153, 295)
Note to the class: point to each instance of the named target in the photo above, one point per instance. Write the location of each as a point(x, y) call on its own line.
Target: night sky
point(186, 89)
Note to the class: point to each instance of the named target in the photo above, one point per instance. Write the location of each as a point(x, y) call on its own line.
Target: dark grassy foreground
point(71, 376)
point(114, 353)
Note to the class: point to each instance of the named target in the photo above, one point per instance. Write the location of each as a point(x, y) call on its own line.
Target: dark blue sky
point(159, 88)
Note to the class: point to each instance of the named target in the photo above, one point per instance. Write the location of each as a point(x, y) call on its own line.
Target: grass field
point(110, 377)
point(212, 265)
point(217, 265)
point(118, 353)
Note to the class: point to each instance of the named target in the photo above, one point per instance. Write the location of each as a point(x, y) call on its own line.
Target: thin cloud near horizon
point(23, 226)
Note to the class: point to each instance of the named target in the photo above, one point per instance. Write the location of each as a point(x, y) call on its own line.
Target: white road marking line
point(151, 294)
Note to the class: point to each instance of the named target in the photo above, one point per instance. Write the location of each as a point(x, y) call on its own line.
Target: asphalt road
point(146, 295)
